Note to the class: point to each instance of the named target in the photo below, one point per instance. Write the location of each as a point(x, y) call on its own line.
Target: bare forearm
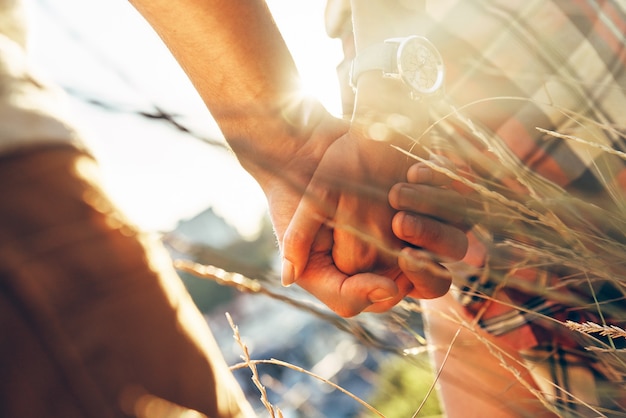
point(231, 50)
point(237, 60)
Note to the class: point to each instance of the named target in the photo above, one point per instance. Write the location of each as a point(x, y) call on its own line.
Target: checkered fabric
point(548, 80)
point(514, 67)
point(535, 113)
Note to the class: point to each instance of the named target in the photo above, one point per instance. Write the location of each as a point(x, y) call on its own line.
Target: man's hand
point(432, 221)
point(347, 223)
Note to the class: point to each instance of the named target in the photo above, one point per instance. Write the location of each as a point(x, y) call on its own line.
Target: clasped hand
point(371, 228)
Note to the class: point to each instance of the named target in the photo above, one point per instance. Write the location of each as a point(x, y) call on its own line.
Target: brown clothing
point(94, 321)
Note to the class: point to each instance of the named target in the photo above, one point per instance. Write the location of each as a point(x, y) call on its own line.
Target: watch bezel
point(402, 72)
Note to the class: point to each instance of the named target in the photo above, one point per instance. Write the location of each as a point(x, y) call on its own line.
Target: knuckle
point(292, 240)
point(345, 311)
point(420, 229)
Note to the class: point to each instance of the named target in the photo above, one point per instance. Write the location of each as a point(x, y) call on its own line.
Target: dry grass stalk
point(437, 375)
point(611, 331)
point(251, 364)
point(273, 411)
point(539, 224)
point(313, 375)
point(542, 226)
point(264, 287)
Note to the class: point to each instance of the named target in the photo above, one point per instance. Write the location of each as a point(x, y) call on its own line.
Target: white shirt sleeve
point(32, 111)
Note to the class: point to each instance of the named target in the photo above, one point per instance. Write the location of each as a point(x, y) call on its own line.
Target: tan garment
point(94, 320)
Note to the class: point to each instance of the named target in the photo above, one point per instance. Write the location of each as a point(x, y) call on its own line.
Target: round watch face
point(420, 65)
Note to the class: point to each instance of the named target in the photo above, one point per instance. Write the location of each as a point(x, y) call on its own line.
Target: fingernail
point(406, 196)
point(420, 173)
point(379, 295)
point(405, 192)
point(411, 227)
point(424, 174)
point(288, 274)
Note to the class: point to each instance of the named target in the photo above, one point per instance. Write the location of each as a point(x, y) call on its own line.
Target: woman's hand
point(344, 219)
point(347, 222)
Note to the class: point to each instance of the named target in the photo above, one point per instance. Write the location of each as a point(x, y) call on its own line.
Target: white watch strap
point(381, 56)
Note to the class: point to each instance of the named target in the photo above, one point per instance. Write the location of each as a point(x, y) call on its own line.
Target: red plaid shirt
point(536, 115)
point(542, 78)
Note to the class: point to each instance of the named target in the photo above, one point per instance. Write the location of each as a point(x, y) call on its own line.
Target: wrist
point(392, 93)
point(385, 111)
point(272, 141)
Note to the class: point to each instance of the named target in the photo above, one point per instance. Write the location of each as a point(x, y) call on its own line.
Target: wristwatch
point(413, 60)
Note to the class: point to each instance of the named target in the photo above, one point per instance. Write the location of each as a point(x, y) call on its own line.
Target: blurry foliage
point(400, 389)
point(207, 295)
point(251, 258)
